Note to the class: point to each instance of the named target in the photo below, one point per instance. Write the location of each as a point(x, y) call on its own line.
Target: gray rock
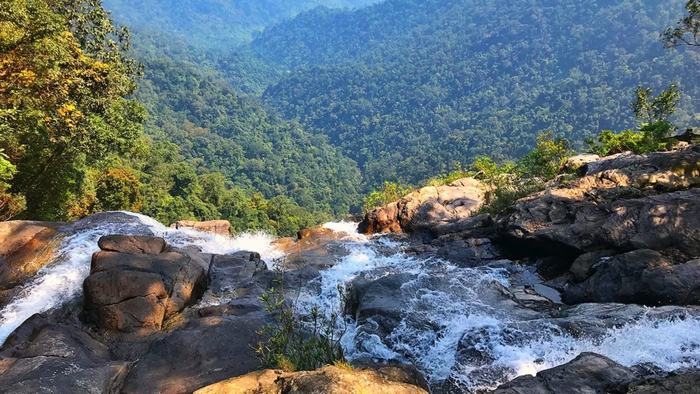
point(134, 244)
point(642, 277)
point(203, 352)
point(588, 373)
point(136, 292)
point(43, 356)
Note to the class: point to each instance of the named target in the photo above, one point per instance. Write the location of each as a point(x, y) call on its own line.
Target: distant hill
point(409, 88)
point(213, 24)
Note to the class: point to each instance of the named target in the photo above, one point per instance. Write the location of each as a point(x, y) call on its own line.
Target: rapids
point(448, 314)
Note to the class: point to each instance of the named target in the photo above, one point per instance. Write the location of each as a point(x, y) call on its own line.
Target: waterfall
point(61, 280)
point(443, 305)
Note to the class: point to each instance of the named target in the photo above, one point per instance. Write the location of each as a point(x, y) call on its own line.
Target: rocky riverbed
point(589, 286)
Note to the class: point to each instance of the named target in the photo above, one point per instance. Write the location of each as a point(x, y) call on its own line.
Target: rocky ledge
point(156, 318)
point(625, 230)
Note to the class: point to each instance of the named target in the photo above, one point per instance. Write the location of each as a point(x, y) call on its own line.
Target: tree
point(64, 79)
point(687, 31)
point(10, 204)
point(649, 109)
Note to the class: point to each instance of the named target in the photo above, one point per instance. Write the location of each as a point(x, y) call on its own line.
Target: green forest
point(278, 115)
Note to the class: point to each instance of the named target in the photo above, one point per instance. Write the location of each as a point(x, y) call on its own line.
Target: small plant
point(546, 159)
point(390, 192)
point(446, 179)
point(511, 181)
point(298, 342)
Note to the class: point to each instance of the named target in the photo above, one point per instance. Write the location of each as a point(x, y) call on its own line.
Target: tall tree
point(64, 79)
point(687, 31)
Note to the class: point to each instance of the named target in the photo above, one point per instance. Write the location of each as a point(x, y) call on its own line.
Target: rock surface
point(220, 227)
point(623, 203)
point(428, 209)
point(204, 351)
point(587, 373)
point(593, 373)
point(641, 276)
point(44, 356)
point(129, 292)
point(317, 247)
point(25, 247)
point(330, 379)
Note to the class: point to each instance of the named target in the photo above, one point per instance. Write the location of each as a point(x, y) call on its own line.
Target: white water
point(61, 280)
point(443, 303)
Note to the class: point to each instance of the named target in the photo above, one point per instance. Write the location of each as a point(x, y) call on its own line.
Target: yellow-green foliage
point(651, 137)
point(512, 181)
point(10, 204)
point(390, 192)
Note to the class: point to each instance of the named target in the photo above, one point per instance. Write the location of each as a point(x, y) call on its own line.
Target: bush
point(510, 181)
point(390, 192)
point(546, 159)
point(652, 137)
point(291, 345)
point(10, 204)
point(449, 177)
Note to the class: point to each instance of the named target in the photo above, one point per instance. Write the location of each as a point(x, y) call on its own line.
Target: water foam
point(446, 302)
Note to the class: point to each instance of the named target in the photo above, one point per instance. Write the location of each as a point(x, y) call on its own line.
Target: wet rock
point(381, 300)
point(133, 244)
point(642, 277)
point(470, 252)
point(587, 373)
point(219, 227)
point(230, 272)
point(317, 247)
point(44, 356)
point(136, 292)
point(328, 379)
point(25, 247)
point(429, 209)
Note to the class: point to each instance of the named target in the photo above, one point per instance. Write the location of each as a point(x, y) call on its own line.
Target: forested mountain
point(217, 24)
point(409, 88)
point(213, 126)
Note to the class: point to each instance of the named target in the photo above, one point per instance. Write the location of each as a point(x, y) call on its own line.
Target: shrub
point(509, 182)
point(10, 204)
point(390, 192)
point(446, 179)
point(298, 342)
point(546, 159)
point(652, 137)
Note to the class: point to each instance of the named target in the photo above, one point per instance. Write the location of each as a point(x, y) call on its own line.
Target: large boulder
point(679, 382)
point(136, 292)
point(428, 210)
point(587, 373)
point(623, 203)
point(202, 352)
point(25, 247)
point(330, 379)
point(132, 244)
point(219, 227)
point(641, 277)
point(45, 356)
point(318, 247)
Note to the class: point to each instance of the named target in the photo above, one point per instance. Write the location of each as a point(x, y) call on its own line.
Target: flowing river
point(456, 325)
